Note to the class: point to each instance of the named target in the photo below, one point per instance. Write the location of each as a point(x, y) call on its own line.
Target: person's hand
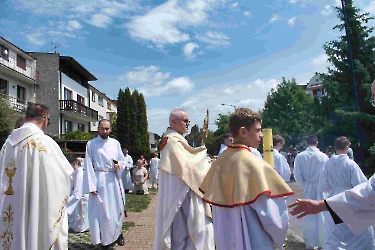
point(117, 166)
point(94, 193)
point(303, 207)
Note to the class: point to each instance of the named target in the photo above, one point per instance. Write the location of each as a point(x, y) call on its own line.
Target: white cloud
point(291, 21)
point(74, 24)
point(247, 13)
point(152, 82)
point(159, 118)
point(179, 85)
point(370, 8)
point(169, 22)
point(188, 50)
point(320, 63)
point(100, 20)
point(234, 5)
point(274, 18)
point(214, 39)
point(36, 38)
point(327, 10)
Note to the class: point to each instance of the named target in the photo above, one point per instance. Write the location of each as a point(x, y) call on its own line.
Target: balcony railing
point(29, 71)
point(19, 106)
point(78, 108)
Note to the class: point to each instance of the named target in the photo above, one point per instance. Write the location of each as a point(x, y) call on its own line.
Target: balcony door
point(21, 94)
point(81, 101)
point(3, 87)
point(67, 94)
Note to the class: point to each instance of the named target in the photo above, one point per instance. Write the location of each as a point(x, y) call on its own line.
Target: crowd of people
point(236, 201)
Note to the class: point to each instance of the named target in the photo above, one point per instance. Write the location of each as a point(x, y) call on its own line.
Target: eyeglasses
point(185, 121)
point(372, 101)
point(48, 120)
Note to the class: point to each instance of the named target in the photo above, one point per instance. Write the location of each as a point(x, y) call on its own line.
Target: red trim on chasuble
point(249, 202)
point(164, 143)
point(239, 147)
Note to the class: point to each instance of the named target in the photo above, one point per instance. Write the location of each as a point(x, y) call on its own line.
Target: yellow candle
point(268, 146)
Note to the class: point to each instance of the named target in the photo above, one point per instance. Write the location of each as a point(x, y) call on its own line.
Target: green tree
point(288, 112)
point(144, 147)
point(8, 118)
point(77, 135)
point(338, 104)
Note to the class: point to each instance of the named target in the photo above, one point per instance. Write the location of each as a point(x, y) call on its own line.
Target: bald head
point(179, 121)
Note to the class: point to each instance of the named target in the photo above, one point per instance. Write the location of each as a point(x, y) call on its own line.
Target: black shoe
point(107, 247)
point(120, 240)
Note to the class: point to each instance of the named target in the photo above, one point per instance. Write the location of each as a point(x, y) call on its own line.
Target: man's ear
point(242, 132)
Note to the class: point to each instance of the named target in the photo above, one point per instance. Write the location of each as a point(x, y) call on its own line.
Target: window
point(67, 94)
point(4, 52)
point(81, 127)
point(100, 100)
point(109, 105)
point(80, 99)
point(21, 62)
point(3, 87)
point(21, 94)
point(68, 126)
point(93, 96)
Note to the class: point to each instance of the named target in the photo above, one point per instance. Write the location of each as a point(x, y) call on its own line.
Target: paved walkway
point(142, 235)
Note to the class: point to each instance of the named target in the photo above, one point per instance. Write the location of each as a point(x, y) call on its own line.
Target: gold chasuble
point(186, 163)
point(238, 178)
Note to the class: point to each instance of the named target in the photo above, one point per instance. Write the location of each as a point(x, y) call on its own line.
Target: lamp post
point(350, 60)
point(229, 105)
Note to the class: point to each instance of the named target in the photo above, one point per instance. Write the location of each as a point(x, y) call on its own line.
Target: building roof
point(16, 48)
point(82, 70)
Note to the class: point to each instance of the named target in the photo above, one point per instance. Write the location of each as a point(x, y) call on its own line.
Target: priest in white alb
point(354, 207)
point(246, 193)
point(104, 164)
point(78, 202)
point(183, 220)
point(339, 174)
point(35, 187)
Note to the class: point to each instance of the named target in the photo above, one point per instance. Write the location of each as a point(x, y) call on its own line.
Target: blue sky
point(191, 54)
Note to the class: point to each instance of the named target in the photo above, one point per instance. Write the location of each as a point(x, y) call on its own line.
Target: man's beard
point(104, 136)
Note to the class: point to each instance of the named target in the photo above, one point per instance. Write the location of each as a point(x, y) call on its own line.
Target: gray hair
point(176, 113)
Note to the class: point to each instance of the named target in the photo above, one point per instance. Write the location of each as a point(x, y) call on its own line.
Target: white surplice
point(222, 148)
point(281, 165)
point(256, 226)
point(256, 152)
point(106, 208)
point(35, 187)
point(356, 206)
point(78, 204)
point(340, 174)
point(182, 221)
point(307, 168)
point(154, 170)
point(126, 178)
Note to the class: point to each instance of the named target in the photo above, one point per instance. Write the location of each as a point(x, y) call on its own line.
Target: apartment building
point(64, 88)
point(106, 107)
point(19, 78)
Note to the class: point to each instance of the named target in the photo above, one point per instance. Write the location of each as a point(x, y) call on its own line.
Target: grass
point(138, 203)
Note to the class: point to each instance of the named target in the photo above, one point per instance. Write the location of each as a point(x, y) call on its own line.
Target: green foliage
point(131, 124)
point(337, 107)
point(288, 112)
point(77, 135)
point(8, 118)
point(114, 127)
point(195, 137)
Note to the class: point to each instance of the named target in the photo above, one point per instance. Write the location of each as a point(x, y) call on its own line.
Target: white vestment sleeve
point(323, 183)
point(273, 215)
point(356, 207)
point(121, 161)
point(298, 173)
point(357, 175)
point(285, 170)
point(77, 192)
point(89, 178)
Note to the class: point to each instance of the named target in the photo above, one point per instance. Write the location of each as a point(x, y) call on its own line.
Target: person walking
point(104, 164)
point(307, 168)
point(126, 175)
point(281, 165)
point(154, 170)
point(35, 181)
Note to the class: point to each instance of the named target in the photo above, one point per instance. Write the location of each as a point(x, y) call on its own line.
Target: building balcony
point(17, 105)
point(27, 73)
point(77, 110)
